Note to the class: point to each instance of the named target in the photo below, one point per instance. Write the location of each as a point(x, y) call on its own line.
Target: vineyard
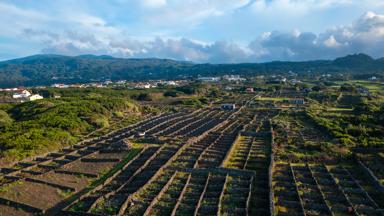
point(208, 161)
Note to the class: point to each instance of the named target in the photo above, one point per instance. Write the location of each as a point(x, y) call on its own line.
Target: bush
point(5, 119)
point(118, 114)
point(204, 100)
point(170, 94)
point(143, 97)
point(150, 110)
point(100, 121)
point(192, 102)
point(193, 88)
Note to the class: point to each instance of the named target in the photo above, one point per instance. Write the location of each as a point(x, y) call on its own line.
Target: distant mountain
point(49, 69)
point(90, 56)
point(356, 61)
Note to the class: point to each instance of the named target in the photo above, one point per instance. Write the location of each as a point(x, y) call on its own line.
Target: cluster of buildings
point(230, 78)
point(21, 94)
point(25, 95)
point(88, 85)
point(233, 78)
point(19, 89)
point(156, 83)
point(123, 83)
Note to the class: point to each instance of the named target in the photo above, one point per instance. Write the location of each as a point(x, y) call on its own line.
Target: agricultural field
point(271, 155)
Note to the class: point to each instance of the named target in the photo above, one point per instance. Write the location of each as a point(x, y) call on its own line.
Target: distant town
point(227, 83)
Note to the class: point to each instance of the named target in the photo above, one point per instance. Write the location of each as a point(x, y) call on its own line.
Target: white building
point(35, 97)
point(209, 79)
point(121, 82)
point(233, 78)
point(60, 85)
point(22, 94)
point(172, 83)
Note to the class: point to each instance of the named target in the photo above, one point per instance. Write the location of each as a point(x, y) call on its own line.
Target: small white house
point(373, 78)
point(22, 94)
point(35, 97)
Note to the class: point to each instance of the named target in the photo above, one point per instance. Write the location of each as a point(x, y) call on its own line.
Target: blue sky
point(215, 31)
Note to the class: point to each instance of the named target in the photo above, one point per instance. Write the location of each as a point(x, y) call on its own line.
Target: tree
point(5, 119)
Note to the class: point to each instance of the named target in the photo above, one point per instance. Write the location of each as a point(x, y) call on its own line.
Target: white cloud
point(13, 18)
point(153, 3)
point(190, 13)
point(331, 42)
point(366, 35)
point(295, 7)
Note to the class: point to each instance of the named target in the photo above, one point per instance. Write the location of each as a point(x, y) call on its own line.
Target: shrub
point(100, 121)
point(118, 114)
point(143, 97)
point(170, 94)
point(5, 119)
point(192, 102)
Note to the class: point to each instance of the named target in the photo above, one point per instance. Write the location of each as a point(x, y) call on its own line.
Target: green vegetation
point(7, 187)
point(64, 193)
point(45, 125)
point(5, 119)
point(359, 125)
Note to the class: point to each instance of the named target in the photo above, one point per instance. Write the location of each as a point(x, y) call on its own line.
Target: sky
point(201, 31)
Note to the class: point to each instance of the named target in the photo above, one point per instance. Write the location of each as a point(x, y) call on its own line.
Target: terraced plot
point(92, 198)
point(190, 196)
point(253, 153)
point(286, 196)
point(119, 198)
point(357, 196)
point(318, 189)
point(236, 196)
point(57, 184)
point(372, 160)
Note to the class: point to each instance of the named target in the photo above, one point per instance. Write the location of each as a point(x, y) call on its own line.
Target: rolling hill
point(49, 69)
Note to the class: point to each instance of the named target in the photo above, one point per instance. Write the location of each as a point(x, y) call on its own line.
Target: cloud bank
point(84, 32)
point(366, 35)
